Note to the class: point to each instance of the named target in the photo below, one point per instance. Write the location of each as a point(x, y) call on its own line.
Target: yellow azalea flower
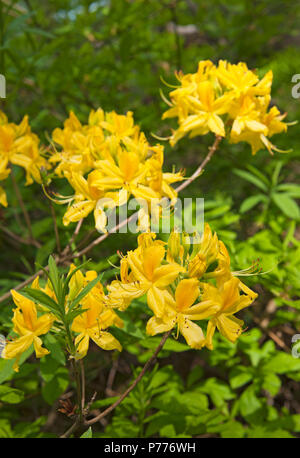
point(29, 327)
point(205, 110)
point(119, 163)
point(148, 276)
point(230, 94)
point(205, 250)
point(229, 301)
point(92, 323)
point(180, 311)
point(84, 201)
point(253, 124)
point(237, 78)
point(19, 146)
point(76, 142)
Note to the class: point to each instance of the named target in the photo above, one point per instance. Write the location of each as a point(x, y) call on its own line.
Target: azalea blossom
point(29, 326)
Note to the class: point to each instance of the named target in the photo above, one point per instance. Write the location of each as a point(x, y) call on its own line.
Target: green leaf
point(53, 389)
point(67, 281)
point(282, 363)
point(11, 395)
point(259, 174)
point(104, 402)
point(276, 172)
point(6, 365)
point(251, 201)
point(249, 402)
point(271, 383)
point(170, 345)
point(5, 429)
point(56, 282)
point(286, 204)
point(262, 432)
point(239, 376)
point(251, 178)
point(48, 367)
point(230, 429)
point(87, 434)
point(84, 292)
point(42, 298)
point(53, 345)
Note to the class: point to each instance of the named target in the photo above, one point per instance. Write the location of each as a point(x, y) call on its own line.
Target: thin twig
point(75, 233)
point(73, 428)
point(19, 239)
point(133, 385)
point(103, 414)
point(82, 384)
point(195, 175)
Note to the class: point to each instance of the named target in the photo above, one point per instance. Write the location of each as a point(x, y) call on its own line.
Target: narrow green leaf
point(251, 178)
point(84, 292)
point(251, 202)
point(42, 298)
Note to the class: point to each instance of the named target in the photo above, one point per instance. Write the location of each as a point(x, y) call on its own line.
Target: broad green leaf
point(271, 383)
point(239, 376)
point(249, 402)
point(53, 389)
point(10, 395)
point(286, 204)
point(282, 363)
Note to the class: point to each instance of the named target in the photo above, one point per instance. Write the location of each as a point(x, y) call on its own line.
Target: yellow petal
point(229, 327)
point(211, 327)
point(105, 340)
point(153, 256)
point(82, 345)
point(39, 350)
point(157, 325)
point(186, 293)
point(191, 332)
point(18, 346)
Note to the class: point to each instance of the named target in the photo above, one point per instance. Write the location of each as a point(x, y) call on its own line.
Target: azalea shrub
point(127, 331)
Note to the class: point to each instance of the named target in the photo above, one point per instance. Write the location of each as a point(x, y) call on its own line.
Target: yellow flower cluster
point(31, 320)
point(18, 145)
point(183, 283)
point(107, 161)
point(228, 100)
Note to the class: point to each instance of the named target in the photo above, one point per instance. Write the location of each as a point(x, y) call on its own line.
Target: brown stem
point(195, 175)
point(82, 385)
point(75, 233)
point(133, 385)
point(73, 428)
point(19, 239)
point(103, 414)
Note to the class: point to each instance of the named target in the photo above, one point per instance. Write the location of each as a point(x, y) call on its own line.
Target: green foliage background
point(76, 55)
